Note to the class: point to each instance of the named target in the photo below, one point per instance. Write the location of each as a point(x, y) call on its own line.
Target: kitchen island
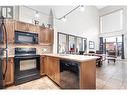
point(71, 71)
point(67, 71)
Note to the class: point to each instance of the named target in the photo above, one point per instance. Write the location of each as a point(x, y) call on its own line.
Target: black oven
point(25, 37)
point(27, 65)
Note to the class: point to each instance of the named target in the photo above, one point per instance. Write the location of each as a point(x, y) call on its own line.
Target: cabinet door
point(46, 66)
point(46, 36)
point(32, 28)
point(50, 36)
point(21, 26)
point(9, 79)
point(42, 35)
point(52, 68)
point(10, 31)
point(55, 70)
point(42, 65)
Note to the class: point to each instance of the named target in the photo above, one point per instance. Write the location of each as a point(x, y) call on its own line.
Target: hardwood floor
point(109, 76)
point(112, 75)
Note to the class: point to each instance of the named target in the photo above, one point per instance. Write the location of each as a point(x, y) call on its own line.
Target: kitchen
point(28, 55)
point(42, 47)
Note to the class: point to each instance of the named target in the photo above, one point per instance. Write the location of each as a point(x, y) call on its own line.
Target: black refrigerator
point(3, 48)
point(1, 74)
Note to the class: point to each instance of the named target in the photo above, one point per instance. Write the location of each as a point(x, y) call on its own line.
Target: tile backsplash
point(41, 49)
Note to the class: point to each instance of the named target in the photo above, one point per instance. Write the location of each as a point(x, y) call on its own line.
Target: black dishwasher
point(69, 74)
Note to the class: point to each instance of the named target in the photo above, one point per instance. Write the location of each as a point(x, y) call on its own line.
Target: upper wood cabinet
point(9, 78)
point(33, 28)
point(10, 31)
point(21, 26)
point(26, 27)
point(46, 35)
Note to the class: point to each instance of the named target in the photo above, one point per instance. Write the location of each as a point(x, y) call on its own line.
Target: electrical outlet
point(44, 49)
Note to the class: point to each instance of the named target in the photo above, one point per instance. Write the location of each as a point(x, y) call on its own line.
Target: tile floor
point(43, 83)
point(109, 76)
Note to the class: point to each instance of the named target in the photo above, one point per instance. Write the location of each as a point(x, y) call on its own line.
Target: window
point(112, 22)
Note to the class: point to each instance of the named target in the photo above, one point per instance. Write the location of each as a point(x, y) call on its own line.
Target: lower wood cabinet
point(52, 68)
point(42, 65)
point(9, 78)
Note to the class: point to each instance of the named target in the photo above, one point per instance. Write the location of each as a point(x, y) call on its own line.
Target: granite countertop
point(8, 56)
point(79, 58)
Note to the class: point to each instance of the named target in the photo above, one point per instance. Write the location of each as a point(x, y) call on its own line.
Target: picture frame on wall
point(91, 45)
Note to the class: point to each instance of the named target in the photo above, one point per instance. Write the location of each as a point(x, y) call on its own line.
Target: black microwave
point(26, 38)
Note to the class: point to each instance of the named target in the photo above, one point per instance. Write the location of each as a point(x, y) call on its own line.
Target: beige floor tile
point(43, 83)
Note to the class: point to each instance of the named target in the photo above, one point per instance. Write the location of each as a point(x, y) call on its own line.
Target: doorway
point(114, 43)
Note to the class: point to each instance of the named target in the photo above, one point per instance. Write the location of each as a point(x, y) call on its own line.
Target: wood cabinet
point(9, 79)
point(9, 24)
point(88, 74)
point(46, 35)
point(52, 68)
point(26, 27)
point(33, 28)
point(21, 26)
point(42, 65)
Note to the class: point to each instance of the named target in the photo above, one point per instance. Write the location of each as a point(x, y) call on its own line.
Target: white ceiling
point(100, 7)
point(64, 9)
point(46, 9)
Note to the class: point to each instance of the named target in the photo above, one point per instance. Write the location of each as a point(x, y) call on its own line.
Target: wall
point(109, 9)
point(28, 15)
point(84, 24)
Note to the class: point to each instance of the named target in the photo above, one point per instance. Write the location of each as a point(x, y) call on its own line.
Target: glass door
point(62, 43)
point(72, 44)
point(116, 44)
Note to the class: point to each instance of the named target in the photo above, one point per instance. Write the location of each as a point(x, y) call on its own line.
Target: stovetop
point(26, 55)
point(25, 52)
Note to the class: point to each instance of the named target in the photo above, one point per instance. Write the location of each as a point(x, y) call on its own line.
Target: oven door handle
point(25, 57)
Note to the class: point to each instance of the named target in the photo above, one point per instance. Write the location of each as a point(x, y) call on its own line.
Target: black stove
point(27, 65)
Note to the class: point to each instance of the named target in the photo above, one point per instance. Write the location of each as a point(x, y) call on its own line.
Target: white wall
point(110, 9)
point(28, 15)
point(84, 24)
